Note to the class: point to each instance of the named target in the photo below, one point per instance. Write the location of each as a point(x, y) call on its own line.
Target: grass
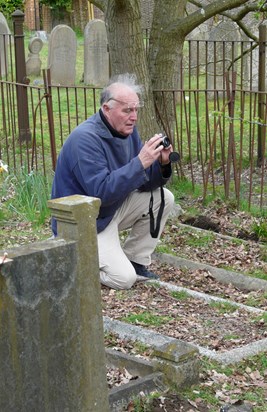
point(224, 307)
point(181, 295)
point(147, 318)
point(255, 301)
point(236, 377)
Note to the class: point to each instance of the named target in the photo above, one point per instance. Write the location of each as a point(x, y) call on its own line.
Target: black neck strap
point(154, 231)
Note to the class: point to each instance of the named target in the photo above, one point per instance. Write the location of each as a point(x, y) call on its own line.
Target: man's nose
point(134, 113)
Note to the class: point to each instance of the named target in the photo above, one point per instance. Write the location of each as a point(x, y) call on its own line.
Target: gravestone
point(52, 340)
point(33, 63)
point(197, 58)
point(42, 34)
point(62, 51)
point(220, 54)
point(4, 41)
point(96, 56)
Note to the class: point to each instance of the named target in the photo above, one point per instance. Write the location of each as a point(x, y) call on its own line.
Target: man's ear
point(106, 108)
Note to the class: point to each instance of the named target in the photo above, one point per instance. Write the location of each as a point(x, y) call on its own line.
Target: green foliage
point(58, 4)
point(31, 192)
point(147, 318)
point(260, 13)
point(182, 187)
point(200, 239)
point(7, 7)
point(224, 307)
point(181, 295)
point(261, 230)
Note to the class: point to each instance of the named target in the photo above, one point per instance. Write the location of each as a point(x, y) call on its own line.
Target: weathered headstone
point(96, 56)
point(197, 57)
point(4, 41)
point(220, 52)
point(52, 351)
point(42, 34)
point(62, 51)
point(33, 63)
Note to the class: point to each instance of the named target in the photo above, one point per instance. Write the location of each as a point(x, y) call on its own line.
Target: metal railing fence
point(217, 138)
point(219, 127)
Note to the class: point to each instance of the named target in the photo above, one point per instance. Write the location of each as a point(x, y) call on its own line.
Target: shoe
point(141, 270)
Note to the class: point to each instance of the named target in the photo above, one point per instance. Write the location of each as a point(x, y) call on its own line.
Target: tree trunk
point(127, 54)
point(79, 16)
point(165, 57)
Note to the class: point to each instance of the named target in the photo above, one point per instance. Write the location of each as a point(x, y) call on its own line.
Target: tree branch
point(205, 12)
point(101, 4)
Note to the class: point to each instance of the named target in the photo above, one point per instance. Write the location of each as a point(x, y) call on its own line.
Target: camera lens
point(166, 141)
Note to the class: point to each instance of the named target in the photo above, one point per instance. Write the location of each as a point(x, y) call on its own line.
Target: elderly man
point(104, 157)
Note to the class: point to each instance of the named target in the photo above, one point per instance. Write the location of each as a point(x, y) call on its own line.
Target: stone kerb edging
point(155, 339)
point(224, 276)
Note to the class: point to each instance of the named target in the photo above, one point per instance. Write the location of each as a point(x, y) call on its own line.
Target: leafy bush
point(58, 4)
point(7, 7)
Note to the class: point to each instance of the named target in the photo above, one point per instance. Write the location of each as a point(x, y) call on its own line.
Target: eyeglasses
point(130, 105)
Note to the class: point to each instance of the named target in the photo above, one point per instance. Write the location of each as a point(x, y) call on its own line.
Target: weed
point(260, 229)
point(147, 318)
point(231, 337)
point(180, 295)
point(200, 239)
point(163, 248)
point(261, 318)
point(256, 300)
point(224, 307)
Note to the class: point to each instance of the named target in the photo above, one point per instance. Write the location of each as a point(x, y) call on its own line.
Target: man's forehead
point(126, 94)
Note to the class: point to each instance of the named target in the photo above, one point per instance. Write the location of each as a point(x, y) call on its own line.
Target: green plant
point(261, 318)
point(58, 5)
point(230, 337)
point(7, 7)
point(256, 300)
point(147, 318)
point(182, 187)
point(180, 295)
point(224, 307)
point(260, 229)
point(31, 192)
point(200, 239)
point(161, 248)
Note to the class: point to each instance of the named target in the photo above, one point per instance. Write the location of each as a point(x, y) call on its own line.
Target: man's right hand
point(151, 151)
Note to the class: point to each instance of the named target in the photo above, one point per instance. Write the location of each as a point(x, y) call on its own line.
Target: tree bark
point(127, 54)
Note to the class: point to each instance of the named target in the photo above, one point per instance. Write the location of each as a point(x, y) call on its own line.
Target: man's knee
point(123, 280)
point(169, 199)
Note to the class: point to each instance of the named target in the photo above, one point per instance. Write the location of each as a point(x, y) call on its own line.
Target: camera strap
point(154, 231)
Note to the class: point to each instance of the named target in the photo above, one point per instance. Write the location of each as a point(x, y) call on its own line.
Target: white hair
point(125, 79)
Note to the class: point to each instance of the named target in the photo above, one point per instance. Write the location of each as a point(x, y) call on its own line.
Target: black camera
point(165, 141)
point(174, 156)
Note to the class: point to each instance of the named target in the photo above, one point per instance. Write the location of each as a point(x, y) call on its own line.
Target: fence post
point(261, 89)
point(22, 97)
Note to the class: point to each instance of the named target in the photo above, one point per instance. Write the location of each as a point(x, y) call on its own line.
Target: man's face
point(121, 111)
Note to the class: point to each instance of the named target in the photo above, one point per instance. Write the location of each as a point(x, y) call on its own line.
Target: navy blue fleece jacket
point(94, 162)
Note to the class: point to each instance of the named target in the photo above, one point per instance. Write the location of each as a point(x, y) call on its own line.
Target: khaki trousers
point(116, 270)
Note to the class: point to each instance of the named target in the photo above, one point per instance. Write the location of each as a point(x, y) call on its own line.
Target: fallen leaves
point(190, 319)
